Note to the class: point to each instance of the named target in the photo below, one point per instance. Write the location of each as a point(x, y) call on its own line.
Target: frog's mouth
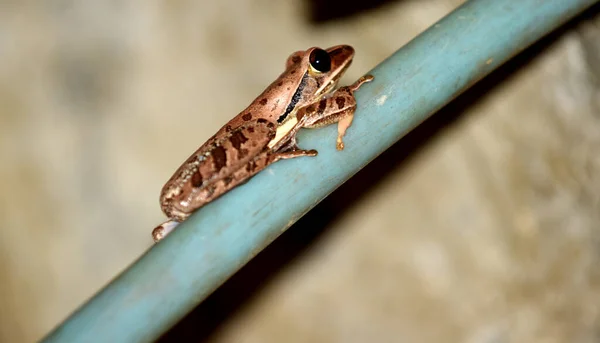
point(331, 84)
point(328, 87)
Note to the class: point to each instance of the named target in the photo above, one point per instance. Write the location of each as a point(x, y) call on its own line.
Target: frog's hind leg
point(164, 229)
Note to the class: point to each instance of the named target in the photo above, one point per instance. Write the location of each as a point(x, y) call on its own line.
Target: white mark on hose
point(381, 100)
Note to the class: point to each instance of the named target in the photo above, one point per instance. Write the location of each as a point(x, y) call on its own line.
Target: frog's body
point(264, 132)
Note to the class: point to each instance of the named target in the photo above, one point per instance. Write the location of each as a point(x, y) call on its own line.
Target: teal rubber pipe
point(173, 277)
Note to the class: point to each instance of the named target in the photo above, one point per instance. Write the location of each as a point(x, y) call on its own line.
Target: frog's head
point(323, 68)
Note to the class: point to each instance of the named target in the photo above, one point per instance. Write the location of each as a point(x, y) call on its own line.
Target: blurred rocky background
point(483, 225)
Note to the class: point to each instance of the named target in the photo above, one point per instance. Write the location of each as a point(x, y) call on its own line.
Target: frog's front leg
point(337, 108)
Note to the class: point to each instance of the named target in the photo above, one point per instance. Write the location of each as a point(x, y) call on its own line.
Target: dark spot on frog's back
point(280, 84)
point(247, 116)
point(228, 128)
point(237, 139)
point(251, 129)
point(340, 101)
point(220, 157)
point(196, 179)
point(261, 121)
point(264, 101)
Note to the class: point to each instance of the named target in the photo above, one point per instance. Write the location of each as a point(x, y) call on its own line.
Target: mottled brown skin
point(207, 173)
point(247, 144)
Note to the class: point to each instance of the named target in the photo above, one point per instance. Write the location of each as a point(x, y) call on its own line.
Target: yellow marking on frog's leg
point(283, 130)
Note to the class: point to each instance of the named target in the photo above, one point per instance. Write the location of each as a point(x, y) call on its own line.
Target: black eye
point(320, 60)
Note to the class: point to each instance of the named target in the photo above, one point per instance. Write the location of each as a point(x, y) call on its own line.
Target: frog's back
point(216, 167)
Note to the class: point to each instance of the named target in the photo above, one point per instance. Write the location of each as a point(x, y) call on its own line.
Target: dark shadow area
point(240, 289)
point(322, 11)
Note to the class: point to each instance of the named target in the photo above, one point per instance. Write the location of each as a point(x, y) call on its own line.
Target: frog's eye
point(320, 60)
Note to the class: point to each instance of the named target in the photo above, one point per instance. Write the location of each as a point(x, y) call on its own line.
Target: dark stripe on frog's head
point(295, 98)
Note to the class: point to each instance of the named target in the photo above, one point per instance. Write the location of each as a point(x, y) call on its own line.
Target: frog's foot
point(164, 229)
point(291, 150)
point(343, 125)
point(293, 153)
